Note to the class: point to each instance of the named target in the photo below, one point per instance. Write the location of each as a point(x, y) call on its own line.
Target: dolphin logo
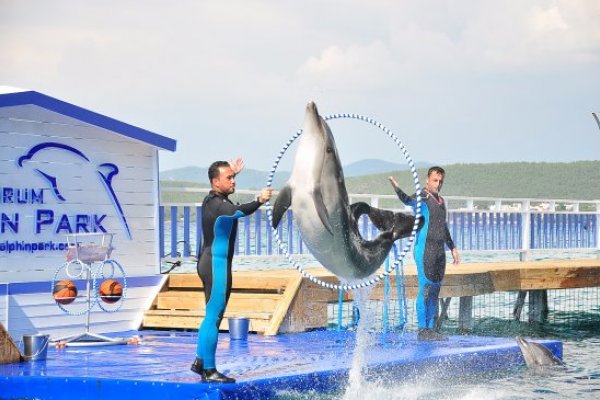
point(50, 178)
point(316, 191)
point(105, 171)
point(536, 355)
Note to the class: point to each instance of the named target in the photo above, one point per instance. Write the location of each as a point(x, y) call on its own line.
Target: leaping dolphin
point(327, 222)
point(537, 355)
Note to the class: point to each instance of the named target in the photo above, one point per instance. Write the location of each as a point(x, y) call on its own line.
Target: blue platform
point(159, 368)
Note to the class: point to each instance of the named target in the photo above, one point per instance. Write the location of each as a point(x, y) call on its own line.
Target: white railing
point(476, 224)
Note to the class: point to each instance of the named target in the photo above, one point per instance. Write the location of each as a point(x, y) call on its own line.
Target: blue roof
point(58, 106)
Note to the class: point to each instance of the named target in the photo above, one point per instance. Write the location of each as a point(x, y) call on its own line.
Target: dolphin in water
point(316, 191)
point(537, 355)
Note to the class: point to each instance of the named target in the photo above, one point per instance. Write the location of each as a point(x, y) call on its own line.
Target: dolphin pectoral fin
point(321, 209)
point(282, 203)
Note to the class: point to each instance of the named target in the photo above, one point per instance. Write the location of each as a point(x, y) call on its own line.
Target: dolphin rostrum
point(327, 222)
point(536, 354)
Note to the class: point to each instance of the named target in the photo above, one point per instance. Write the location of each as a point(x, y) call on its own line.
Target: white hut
point(65, 171)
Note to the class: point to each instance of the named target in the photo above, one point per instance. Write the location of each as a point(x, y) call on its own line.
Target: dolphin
point(316, 192)
point(537, 355)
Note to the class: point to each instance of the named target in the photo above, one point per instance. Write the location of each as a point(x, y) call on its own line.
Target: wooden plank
point(241, 280)
point(506, 280)
point(189, 300)
point(9, 352)
point(284, 305)
point(559, 277)
point(201, 313)
point(193, 322)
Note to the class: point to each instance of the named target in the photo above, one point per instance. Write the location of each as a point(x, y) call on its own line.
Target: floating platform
point(319, 361)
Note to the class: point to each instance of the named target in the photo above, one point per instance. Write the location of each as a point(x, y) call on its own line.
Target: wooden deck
point(284, 301)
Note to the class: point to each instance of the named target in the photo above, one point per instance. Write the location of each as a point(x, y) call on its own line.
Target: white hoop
point(366, 282)
point(74, 274)
point(70, 275)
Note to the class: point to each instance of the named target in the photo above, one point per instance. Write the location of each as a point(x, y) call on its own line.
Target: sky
point(474, 81)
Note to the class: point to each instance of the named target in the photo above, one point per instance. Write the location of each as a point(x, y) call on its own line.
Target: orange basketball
point(64, 292)
point(110, 291)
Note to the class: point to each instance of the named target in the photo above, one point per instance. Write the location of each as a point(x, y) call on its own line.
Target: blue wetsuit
point(219, 227)
point(429, 252)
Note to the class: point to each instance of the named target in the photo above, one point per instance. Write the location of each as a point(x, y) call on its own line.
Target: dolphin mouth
point(312, 116)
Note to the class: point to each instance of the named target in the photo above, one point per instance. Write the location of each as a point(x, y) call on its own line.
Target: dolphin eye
point(329, 149)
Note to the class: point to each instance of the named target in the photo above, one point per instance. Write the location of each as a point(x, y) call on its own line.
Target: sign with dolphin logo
point(104, 171)
point(316, 191)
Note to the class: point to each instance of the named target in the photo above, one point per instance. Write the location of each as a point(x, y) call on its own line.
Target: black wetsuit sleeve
point(406, 199)
point(449, 241)
point(227, 208)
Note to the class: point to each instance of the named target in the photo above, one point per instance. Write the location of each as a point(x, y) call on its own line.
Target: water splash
point(364, 339)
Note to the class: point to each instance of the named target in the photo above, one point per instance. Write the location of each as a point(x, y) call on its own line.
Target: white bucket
point(238, 328)
point(35, 347)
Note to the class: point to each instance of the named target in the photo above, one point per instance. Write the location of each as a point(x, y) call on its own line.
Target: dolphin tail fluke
point(282, 203)
point(359, 209)
point(403, 225)
point(398, 223)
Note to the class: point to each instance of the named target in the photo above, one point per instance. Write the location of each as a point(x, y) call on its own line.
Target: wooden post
point(598, 229)
point(9, 352)
point(525, 230)
point(465, 314)
point(282, 308)
point(518, 308)
point(444, 303)
point(538, 305)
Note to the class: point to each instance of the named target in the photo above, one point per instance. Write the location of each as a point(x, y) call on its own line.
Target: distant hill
point(186, 174)
point(578, 180)
point(371, 166)
point(255, 179)
point(248, 179)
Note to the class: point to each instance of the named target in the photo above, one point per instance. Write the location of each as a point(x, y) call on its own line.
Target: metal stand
point(88, 338)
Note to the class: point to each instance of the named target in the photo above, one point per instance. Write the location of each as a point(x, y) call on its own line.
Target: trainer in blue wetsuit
point(219, 228)
point(429, 251)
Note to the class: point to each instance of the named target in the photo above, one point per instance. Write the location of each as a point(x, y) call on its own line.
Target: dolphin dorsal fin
point(282, 203)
